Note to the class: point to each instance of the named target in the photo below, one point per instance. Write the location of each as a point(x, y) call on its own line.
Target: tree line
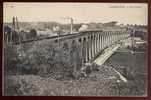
point(14, 36)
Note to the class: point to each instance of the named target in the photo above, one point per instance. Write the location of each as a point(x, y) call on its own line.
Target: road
point(107, 54)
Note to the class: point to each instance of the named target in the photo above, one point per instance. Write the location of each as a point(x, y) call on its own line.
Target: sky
point(128, 13)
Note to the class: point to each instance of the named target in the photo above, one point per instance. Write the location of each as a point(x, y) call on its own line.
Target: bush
point(23, 85)
point(92, 68)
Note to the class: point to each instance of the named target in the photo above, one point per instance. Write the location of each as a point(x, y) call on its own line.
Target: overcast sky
point(129, 13)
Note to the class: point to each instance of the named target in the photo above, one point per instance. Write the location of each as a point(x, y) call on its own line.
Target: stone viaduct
point(87, 44)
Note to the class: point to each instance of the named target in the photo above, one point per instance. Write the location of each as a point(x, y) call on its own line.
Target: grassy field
point(134, 68)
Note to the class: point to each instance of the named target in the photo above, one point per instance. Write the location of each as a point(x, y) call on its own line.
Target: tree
point(7, 35)
point(32, 33)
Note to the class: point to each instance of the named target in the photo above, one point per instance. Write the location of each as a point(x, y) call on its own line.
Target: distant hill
point(35, 25)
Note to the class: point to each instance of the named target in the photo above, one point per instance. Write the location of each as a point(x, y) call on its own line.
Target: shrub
point(27, 85)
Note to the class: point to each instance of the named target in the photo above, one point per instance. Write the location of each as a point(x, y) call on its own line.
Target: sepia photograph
point(75, 49)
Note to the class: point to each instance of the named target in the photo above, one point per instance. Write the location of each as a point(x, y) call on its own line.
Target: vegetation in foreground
point(101, 83)
point(38, 73)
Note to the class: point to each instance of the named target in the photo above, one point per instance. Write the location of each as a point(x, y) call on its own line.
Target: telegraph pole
point(18, 30)
point(59, 39)
point(13, 30)
point(133, 42)
point(19, 37)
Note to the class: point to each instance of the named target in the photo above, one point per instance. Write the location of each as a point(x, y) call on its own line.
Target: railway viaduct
point(87, 44)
